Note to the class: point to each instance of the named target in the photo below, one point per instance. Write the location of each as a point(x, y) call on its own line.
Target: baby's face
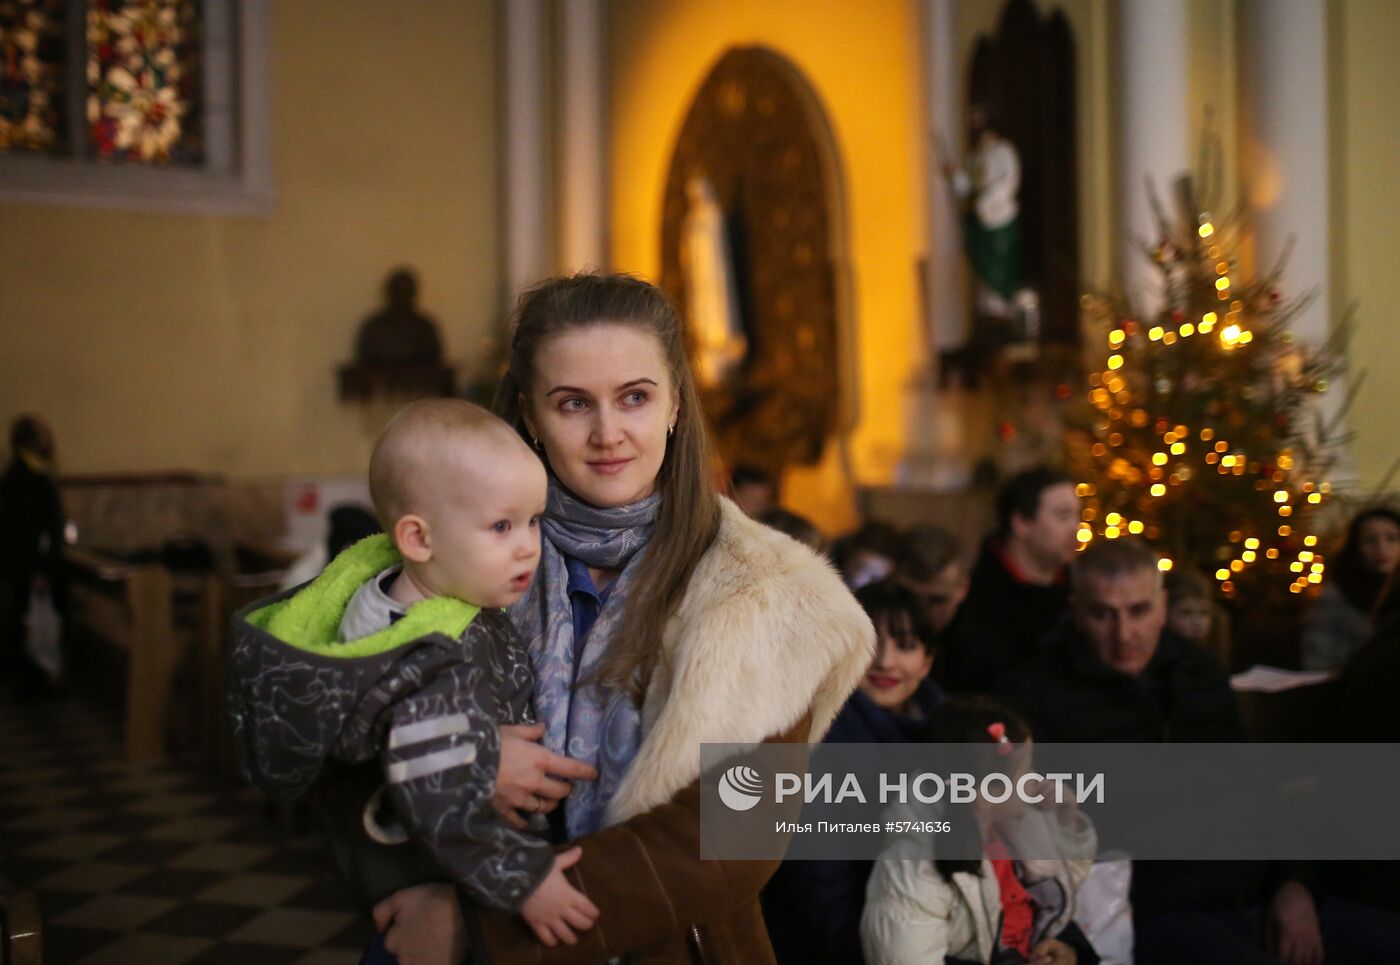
point(484, 527)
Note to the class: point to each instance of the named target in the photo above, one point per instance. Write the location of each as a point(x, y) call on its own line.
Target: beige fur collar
point(766, 633)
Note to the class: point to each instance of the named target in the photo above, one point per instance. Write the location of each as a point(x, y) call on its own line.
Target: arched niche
point(757, 134)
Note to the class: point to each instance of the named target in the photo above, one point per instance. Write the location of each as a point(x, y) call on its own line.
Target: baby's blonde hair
point(416, 444)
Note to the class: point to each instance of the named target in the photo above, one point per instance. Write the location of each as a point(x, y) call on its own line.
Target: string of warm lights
point(1148, 461)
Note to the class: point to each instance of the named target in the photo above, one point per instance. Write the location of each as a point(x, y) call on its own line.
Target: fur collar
point(766, 633)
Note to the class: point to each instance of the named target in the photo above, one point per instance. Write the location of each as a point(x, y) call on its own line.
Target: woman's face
point(601, 405)
point(901, 663)
point(1379, 542)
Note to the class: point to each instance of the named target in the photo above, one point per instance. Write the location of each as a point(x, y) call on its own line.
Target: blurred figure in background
point(1020, 583)
point(31, 539)
point(930, 565)
point(1194, 614)
point(798, 527)
point(1363, 897)
point(753, 490)
point(867, 555)
point(1340, 620)
point(347, 524)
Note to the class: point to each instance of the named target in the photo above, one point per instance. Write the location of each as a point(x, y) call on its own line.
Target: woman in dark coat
point(813, 908)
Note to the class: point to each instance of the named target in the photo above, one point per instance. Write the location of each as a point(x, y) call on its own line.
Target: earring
point(671, 430)
point(536, 441)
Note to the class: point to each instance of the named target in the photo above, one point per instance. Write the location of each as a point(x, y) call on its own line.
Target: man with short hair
point(1020, 584)
point(1115, 673)
point(930, 565)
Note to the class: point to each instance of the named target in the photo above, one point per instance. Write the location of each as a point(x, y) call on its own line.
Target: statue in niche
point(399, 334)
point(711, 290)
point(988, 185)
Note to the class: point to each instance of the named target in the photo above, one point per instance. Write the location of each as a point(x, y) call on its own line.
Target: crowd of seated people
point(1087, 647)
point(1028, 636)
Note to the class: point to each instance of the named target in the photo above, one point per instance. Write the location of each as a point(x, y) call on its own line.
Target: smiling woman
point(661, 618)
point(604, 417)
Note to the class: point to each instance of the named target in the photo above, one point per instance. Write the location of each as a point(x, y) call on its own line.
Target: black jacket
point(1014, 619)
point(31, 528)
point(969, 658)
point(1364, 711)
point(1069, 695)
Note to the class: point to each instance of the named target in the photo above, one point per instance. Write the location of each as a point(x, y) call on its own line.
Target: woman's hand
point(525, 777)
point(1052, 951)
point(423, 925)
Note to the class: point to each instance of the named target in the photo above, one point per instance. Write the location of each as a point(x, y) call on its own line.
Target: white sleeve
point(996, 202)
point(907, 908)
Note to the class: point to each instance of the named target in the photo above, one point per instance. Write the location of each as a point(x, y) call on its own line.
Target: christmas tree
point(1201, 430)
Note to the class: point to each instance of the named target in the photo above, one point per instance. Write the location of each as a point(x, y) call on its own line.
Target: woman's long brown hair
point(688, 517)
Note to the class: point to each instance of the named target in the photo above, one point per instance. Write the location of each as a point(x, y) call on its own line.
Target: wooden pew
point(128, 607)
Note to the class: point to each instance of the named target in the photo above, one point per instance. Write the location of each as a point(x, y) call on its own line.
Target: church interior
point(918, 246)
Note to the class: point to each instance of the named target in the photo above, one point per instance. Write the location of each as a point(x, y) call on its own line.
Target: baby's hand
point(557, 907)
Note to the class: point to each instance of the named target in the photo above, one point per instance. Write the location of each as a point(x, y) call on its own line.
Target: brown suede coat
point(766, 645)
point(658, 902)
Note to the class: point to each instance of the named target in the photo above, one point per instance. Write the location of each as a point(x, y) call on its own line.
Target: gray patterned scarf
point(600, 726)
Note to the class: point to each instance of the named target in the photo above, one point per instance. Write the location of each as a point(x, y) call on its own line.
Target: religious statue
point(398, 352)
point(988, 185)
point(711, 295)
point(399, 334)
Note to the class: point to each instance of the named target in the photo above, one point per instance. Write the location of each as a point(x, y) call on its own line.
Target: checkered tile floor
point(156, 865)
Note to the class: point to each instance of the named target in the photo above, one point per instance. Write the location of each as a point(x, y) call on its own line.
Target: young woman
point(1341, 619)
point(662, 617)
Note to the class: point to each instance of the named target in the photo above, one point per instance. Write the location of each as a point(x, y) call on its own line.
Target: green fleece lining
point(310, 620)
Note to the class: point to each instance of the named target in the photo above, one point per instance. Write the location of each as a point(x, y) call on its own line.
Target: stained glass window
point(111, 80)
point(143, 81)
point(33, 111)
point(141, 104)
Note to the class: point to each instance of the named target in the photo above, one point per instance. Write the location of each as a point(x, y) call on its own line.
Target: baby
point(399, 658)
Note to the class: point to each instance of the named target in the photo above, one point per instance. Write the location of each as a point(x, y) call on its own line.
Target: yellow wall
point(157, 341)
point(862, 61)
point(1365, 77)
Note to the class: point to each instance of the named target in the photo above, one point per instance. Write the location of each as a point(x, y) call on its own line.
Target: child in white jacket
point(998, 909)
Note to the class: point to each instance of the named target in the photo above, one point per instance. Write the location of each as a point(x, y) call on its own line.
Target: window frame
point(236, 178)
